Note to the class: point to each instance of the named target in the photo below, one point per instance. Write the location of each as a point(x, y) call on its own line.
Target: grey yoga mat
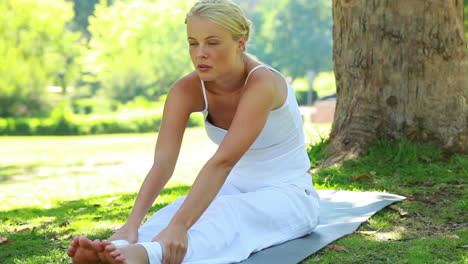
point(341, 213)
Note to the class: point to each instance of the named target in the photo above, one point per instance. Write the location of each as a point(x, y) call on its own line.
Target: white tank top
point(278, 155)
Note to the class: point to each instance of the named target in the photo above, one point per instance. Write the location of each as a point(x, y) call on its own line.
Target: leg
point(235, 226)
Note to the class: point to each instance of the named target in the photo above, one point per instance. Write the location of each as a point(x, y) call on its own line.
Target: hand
point(125, 233)
point(174, 243)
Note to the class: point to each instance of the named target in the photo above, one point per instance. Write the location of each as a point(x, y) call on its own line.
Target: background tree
point(138, 47)
point(303, 37)
point(82, 10)
point(36, 51)
point(294, 36)
point(401, 69)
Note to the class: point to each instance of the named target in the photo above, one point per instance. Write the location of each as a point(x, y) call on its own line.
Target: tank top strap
point(204, 95)
point(264, 66)
point(252, 70)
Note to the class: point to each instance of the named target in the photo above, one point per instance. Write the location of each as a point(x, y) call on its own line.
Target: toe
point(85, 243)
point(74, 242)
point(71, 251)
point(97, 245)
point(110, 247)
point(115, 253)
point(120, 259)
point(105, 243)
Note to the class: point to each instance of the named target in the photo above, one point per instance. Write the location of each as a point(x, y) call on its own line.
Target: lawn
point(54, 188)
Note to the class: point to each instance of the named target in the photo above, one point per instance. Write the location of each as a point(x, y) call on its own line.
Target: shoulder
point(187, 90)
point(265, 79)
point(188, 83)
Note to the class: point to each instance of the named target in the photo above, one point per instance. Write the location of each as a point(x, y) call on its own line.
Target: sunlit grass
point(54, 188)
point(38, 171)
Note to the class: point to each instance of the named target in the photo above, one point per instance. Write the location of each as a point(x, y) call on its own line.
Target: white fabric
point(154, 251)
point(267, 199)
point(341, 213)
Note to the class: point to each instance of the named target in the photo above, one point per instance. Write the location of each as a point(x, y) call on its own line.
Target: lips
point(203, 67)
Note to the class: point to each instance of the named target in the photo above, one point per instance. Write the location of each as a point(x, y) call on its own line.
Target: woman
point(254, 192)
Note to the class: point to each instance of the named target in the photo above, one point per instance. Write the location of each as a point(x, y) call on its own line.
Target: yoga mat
point(341, 213)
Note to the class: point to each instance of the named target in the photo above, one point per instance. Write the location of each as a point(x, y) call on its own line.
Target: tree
point(138, 47)
point(303, 37)
point(401, 70)
point(293, 36)
point(82, 10)
point(466, 16)
point(36, 50)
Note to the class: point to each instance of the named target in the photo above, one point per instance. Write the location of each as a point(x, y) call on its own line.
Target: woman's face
point(213, 51)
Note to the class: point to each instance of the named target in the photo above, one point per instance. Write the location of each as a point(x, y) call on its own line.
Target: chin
point(205, 76)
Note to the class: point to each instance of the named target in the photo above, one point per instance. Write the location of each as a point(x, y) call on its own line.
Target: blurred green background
point(72, 67)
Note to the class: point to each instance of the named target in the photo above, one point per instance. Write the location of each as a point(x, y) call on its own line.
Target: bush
point(124, 122)
point(87, 106)
point(301, 96)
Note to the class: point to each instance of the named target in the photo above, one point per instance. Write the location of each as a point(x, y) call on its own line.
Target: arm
point(249, 120)
point(177, 109)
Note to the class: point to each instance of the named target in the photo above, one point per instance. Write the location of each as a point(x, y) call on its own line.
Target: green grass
point(54, 188)
point(436, 205)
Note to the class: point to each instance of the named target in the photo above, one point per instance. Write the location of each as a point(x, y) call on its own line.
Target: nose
point(200, 52)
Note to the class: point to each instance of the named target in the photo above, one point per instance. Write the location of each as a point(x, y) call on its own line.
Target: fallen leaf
point(96, 205)
point(4, 241)
point(373, 173)
point(452, 236)
point(63, 224)
point(426, 158)
point(24, 230)
point(337, 248)
point(361, 176)
point(398, 209)
point(112, 199)
point(66, 232)
point(97, 217)
point(368, 232)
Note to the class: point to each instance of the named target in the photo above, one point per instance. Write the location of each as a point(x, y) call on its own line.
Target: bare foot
point(83, 251)
point(129, 254)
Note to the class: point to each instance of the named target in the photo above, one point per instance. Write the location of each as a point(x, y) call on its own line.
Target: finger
point(170, 255)
point(182, 255)
point(176, 255)
point(165, 254)
point(183, 252)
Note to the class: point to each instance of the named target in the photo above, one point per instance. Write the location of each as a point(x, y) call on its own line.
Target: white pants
point(237, 224)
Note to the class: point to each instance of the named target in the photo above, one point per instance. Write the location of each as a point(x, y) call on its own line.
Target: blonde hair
point(224, 12)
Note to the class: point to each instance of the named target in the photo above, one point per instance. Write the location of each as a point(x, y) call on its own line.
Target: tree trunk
point(401, 70)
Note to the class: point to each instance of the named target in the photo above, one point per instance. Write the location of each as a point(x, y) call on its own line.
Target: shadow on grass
point(35, 233)
point(7, 173)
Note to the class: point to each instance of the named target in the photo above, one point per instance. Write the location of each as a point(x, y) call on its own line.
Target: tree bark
point(401, 70)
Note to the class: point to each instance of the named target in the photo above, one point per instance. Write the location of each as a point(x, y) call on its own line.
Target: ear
point(241, 44)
